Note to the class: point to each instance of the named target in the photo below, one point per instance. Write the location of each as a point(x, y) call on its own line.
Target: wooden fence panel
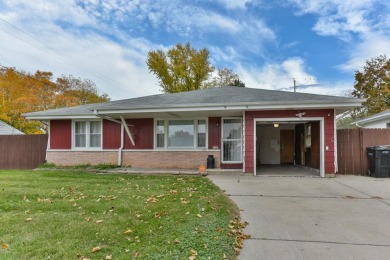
point(22, 151)
point(352, 148)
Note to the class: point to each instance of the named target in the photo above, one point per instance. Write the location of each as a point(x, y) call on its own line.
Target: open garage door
point(288, 143)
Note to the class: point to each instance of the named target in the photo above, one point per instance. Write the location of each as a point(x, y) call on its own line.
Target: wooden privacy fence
point(22, 151)
point(352, 148)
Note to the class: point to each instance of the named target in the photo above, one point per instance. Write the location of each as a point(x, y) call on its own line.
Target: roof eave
point(373, 119)
point(346, 104)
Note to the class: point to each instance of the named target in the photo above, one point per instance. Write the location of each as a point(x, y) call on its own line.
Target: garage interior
point(288, 148)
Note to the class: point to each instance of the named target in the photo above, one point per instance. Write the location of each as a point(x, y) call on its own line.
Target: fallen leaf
point(108, 257)
point(193, 252)
point(99, 221)
point(199, 216)
point(4, 246)
point(192, 257)
point(128, 231)
point(176, 241)
point(29, 219)
point(219, 229)
point(151, 200)
point(84, 258)
point(173, 191)
point(88, 219)
point(96, 249)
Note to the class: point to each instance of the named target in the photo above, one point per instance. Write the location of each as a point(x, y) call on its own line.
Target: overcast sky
point(320, 43)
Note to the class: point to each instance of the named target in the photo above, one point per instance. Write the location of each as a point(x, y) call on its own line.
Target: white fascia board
point(373, 119)
point(232, 107)
point(54, 117)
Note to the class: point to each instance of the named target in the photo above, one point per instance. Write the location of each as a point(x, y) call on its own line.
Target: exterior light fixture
point(276, 125)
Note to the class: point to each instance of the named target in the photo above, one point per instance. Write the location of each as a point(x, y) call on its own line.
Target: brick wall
point(69, 158)
point(142, 159)
point(169, 159)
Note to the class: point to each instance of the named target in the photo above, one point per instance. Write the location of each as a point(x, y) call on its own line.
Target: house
point(380, 120)
point(242, 128)
point(6, 129)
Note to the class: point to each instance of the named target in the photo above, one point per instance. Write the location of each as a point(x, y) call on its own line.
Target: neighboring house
point(380, 120)
point(6, 129)
point(241, 127)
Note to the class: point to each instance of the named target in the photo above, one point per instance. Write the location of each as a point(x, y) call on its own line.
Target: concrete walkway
point(347, 217)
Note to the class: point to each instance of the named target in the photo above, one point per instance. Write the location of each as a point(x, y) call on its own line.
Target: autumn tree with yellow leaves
point(22, 92)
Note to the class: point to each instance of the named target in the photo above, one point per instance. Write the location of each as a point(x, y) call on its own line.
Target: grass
point(64, 215)
point(80, 167)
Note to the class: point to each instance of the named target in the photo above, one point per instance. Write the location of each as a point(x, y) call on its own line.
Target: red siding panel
point(327, 114)
point(214, 132)
point(60, 134)
point(142, 131)
point(111, 135)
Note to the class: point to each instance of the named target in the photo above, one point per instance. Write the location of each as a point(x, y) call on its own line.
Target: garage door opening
point(288, 147)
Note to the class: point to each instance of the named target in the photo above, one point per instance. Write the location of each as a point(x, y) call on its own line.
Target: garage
point(288, 146)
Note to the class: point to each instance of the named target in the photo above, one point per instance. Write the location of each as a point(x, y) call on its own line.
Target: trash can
point(379, 161)
point(210, 162)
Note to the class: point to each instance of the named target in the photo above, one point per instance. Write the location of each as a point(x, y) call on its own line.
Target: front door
point(287, 146)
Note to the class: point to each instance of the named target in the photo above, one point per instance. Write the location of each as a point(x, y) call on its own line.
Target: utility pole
point(295, 87)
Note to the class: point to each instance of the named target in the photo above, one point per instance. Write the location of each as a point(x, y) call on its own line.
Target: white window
point(232, 140)
point(181, 134)
point(87, 134)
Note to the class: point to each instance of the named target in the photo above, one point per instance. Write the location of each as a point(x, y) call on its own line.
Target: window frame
point(166, 133)
point(87, 134)
point(241, 140)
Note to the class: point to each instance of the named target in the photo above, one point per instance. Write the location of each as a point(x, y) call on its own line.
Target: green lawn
point(52, 214)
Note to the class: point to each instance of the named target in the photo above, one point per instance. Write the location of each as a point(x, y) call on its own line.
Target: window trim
point(222, 140)
point(88, 134)
point(166, 128)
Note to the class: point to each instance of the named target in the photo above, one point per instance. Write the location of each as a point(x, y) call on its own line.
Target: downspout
point(121, 148)
point(48, 137)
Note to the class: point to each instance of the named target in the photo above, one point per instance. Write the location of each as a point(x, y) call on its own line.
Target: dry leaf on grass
point(29, 219)
point(199, 216)
point(108, 257)
point(96, 249)
point(99, 221)
point(4, 246)
point(151, 200)
point(192, 257)
point(128, 231)
point(193, 252)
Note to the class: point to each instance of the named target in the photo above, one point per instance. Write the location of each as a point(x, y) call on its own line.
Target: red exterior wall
point(214, 132)
point(60, 134)
point(111, 135)
point(328, 133)
point(142, 131)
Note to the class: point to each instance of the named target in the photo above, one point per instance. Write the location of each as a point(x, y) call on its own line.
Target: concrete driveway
point(347, 217)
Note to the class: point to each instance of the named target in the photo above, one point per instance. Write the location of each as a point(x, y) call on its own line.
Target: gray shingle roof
point(204, 97)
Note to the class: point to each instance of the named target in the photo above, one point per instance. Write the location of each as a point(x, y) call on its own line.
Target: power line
point(57, 54)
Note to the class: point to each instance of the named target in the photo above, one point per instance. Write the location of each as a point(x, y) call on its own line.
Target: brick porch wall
point(142, 159)
point(169, 159)
point(69, 158)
